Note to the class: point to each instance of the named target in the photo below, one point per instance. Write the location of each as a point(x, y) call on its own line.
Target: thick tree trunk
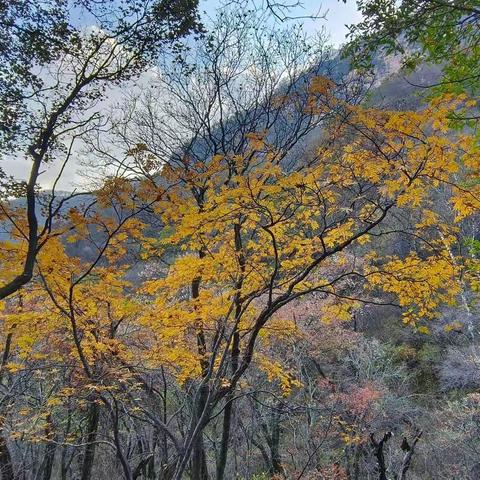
point(92, 428)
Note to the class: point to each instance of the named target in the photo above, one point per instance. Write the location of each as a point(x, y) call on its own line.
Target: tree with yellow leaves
point(261, 239)
point(257, 221)
point(247, 220)
point(53, 75)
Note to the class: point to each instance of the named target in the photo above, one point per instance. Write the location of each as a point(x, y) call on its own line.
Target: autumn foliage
point(210, 284)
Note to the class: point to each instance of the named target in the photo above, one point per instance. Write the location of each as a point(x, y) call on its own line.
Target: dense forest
point(270, 266)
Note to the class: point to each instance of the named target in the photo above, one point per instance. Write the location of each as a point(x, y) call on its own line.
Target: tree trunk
point(6, 467)
point(92, 428)
point(227, 423)
point(228, 412)
point(198, 459)
point(127, 472)
point(49, 450)
point(407, 459)
point(64, 461)
point(379, 453)
point(275, 442)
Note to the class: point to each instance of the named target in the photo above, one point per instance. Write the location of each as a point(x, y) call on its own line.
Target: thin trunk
point(198, 459)
point(165, 419)
point(275, 442)
point(407, 459)
point(64, 464)
point(356, 462)
point(380, 454)
point(228, 412)
point(6, 466)
point(127, 471)
point(163, 459)
point(264, 453)
point(142, 468)
point(227, 422)
point(193, 451)
point(49, 450)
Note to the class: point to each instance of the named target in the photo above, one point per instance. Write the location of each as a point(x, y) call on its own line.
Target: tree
point(242, 79)
point(261, 222)
point(263, 238)
point(54, 73)
point(251, 179)
point(76, 311)
point(434, 31)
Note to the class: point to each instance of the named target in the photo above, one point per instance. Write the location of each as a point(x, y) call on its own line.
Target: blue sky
point(337, 15)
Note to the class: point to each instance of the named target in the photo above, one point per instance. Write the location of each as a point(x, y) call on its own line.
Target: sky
point(338, 16)
point(332, 15)
point(336, 13)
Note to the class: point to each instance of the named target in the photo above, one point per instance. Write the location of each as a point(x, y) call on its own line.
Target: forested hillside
point(271, 268)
